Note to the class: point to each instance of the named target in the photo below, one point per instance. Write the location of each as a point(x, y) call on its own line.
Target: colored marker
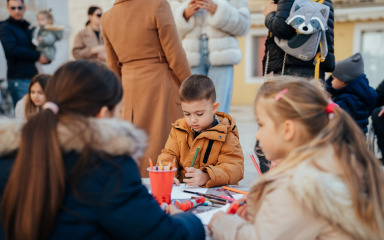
point(234, 206)
point(185, 206)
point(235, 190)
point(194, 157)
point(210, 196)
point(256, 165)
point(174, 163)
point(230, 195)
point(227, 198)
point(151, 163)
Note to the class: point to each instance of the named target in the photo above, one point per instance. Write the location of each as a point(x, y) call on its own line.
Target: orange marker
point(174, 163)
point(151, 163)
point(234, 190)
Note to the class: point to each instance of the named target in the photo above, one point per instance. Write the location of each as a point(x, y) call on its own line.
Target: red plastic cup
point(161, 184)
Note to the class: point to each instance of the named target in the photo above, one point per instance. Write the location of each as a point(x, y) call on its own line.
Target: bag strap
point(318, 58)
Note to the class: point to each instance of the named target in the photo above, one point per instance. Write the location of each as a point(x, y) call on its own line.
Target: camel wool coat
point(144, 49)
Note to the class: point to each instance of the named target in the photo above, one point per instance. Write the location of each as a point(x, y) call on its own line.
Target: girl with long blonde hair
point(327, 184)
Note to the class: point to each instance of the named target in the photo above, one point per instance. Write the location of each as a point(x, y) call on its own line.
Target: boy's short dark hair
point(197, 87)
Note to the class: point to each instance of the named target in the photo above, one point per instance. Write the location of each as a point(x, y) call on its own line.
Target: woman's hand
point(191, 9)
point(270, 7)
point(215, 217)
point(209, 5)
point(172, 209)
point(98, 49)
point(195, 177)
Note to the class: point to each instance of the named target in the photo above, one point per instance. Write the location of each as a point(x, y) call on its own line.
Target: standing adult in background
point(276, 13)
point(208, 30)
point(89, 43)
point(21, 54)
point(144, 49)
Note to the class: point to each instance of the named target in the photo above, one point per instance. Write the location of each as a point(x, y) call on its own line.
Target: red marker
point(234, 206)
point(256, 165)
point(185, 206)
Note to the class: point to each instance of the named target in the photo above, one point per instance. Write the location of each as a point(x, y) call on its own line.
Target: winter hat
point(349, 69)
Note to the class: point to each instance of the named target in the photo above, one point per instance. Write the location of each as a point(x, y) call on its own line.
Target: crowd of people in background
point(153, 79)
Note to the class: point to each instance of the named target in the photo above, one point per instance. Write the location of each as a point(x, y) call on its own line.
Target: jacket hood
point(360, 87)
point(111, 136)
point(226, 124)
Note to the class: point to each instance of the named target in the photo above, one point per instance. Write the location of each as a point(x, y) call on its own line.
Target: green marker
point(194, 157)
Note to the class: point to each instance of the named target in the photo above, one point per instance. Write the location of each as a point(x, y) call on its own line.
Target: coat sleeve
point(171, 149)
point(112, 60)
point(275, 21)
point(229, 168)
point(12, 49)
point(183, 26)
point(280, 217)
point(80, 50)
point(132, 213)
point(170, 41)
point(229, 19)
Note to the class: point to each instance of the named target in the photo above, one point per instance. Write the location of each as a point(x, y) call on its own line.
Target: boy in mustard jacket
point(219, 160)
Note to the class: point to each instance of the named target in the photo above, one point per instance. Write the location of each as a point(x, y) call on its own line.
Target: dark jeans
point(378, 125)
point(18, 87)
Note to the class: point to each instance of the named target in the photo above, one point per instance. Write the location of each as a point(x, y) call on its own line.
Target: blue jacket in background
point(21, 54)
point(357, 98)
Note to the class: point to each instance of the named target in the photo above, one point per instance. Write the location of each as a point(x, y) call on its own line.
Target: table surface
point(201, 209)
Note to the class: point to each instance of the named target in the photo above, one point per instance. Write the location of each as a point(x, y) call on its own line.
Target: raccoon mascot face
point(308, 17)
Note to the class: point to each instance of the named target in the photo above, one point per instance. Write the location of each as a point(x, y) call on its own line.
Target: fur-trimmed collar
point(318, 185)
point(111, 136)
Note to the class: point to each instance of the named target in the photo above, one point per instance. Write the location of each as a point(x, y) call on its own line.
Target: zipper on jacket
point(208, 151)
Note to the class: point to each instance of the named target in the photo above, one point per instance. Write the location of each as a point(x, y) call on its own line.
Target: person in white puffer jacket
point(208, 29)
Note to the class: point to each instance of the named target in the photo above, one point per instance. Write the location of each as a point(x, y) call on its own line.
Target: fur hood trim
point(111, 136)
point(309, 184)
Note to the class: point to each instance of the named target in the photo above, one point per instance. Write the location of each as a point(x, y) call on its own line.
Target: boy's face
point(337, 84)
point(199, 114)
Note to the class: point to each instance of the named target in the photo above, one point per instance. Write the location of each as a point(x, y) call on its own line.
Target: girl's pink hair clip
point(281, 94)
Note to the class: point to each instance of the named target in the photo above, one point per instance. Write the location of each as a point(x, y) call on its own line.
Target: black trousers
point(264, 163)
point(378, 125)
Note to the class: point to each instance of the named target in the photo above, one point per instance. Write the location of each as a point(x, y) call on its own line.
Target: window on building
point(369, 40)
point(254, 55)
point(372, 43)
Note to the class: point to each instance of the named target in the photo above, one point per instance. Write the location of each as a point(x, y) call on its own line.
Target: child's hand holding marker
point(195, 177)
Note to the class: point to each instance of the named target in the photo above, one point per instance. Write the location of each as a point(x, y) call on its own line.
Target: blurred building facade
point(359, 27)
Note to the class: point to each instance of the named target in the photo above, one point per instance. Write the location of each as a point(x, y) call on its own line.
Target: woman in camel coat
point(144, 49)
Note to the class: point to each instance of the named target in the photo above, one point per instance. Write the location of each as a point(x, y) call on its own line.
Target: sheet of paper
point(205, 217)
point(177, 191)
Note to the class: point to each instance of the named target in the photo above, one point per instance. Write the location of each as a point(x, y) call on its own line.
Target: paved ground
point(245, 120)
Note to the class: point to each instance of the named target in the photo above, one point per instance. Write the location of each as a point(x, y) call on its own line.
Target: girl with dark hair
point(35, 98)
point(89, 43)
point(70, 172)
